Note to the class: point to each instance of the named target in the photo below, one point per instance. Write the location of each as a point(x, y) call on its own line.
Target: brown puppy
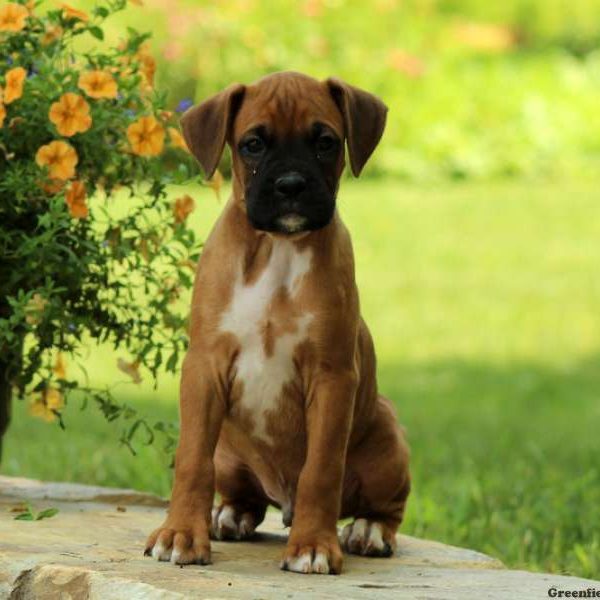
point(279, 402)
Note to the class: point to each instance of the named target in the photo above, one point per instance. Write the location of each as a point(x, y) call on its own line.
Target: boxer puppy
point(279, 403)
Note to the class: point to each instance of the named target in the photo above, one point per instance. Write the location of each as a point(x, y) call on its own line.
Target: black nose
point(290, 184)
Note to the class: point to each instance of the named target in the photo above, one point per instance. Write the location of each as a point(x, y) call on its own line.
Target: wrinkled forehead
point(287, 108)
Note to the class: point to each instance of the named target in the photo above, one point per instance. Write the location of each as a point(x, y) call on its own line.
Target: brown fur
point(337, 450)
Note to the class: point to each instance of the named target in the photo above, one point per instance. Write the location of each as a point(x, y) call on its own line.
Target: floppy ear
point(206, 127)
point(364, 120)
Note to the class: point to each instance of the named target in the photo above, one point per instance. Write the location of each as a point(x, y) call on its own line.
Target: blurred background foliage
point(475, 89)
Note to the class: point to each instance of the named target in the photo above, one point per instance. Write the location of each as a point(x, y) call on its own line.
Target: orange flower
point(75, 199)
point(177, 139)
point(146, 137)
point(59, 157)
point(486, 37)
point(2, 114)
point(406, 63)
point(34, 309)
point(216, 183)
point(53, 186)
point(98, 84)
point(71, 114)
point(182, 208)
point(74, 13)
point(14, 84)
point(12, 17)
point(147, 64)
point(52, 33)
point(46, 403)
point(131, 369)
point(60, 369)
point(137, 2)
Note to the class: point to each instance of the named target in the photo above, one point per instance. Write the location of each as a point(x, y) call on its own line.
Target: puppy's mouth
point(292, 223)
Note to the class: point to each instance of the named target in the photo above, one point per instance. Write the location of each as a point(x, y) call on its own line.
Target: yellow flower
point(71, 114)
point(98, 84)
point(59, 157)
point(2, 114)
point(131, 369)
point(177, 139)
point(52, 33)
point(14, 84)
point(182, 208)
point(46, 403)
point(146, 137)
point(74, 13)
point(75, 199)
point(35, 308)
point(12, 17)
point(60, 369)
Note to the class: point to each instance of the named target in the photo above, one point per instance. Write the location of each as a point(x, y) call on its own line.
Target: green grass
point(483, 301)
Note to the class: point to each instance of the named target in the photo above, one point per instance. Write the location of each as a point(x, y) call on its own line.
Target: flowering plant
point(91, 247)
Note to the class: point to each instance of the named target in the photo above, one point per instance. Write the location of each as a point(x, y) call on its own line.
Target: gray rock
point(93, 547)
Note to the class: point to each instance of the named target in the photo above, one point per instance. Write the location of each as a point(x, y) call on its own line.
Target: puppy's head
point(287, 134)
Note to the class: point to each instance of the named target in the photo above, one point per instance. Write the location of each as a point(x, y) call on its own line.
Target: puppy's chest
point(269, 321)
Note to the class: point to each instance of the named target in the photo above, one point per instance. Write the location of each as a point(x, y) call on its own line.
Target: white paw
point(306, 563)
point(365, 538)
point(227, 524)
point(160, 552)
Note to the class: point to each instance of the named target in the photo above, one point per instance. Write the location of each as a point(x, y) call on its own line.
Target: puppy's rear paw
point(232, 523)
point(368, 538)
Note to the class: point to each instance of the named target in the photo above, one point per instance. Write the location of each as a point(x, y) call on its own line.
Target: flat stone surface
point(93, 547)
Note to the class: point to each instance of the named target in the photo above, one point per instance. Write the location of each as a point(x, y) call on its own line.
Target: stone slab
point(92, 549)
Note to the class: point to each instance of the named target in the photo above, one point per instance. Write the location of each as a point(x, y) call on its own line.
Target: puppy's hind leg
point(243, 502)
point(379, 465)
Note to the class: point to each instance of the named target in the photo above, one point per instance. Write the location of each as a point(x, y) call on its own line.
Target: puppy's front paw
point(231, 523)
point(320, 555)
point(180, 545)
point(368, 538)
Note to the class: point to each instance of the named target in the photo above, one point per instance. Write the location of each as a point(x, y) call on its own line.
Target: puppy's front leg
point(313, 545)
point(183, 537)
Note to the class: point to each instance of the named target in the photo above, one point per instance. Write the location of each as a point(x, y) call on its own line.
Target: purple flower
point(184, 105)
point(130, 113)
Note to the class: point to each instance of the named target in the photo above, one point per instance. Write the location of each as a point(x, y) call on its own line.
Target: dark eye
point(325, 143)
point(253, 146)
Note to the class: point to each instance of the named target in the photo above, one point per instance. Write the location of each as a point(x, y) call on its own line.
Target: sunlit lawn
point(484, 303)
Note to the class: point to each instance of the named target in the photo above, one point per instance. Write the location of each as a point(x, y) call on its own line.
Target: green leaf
point(25, 516)
point(96, 32)
point(46, 514)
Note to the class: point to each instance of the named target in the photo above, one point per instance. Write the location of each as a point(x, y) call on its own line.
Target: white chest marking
point(263, 376)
